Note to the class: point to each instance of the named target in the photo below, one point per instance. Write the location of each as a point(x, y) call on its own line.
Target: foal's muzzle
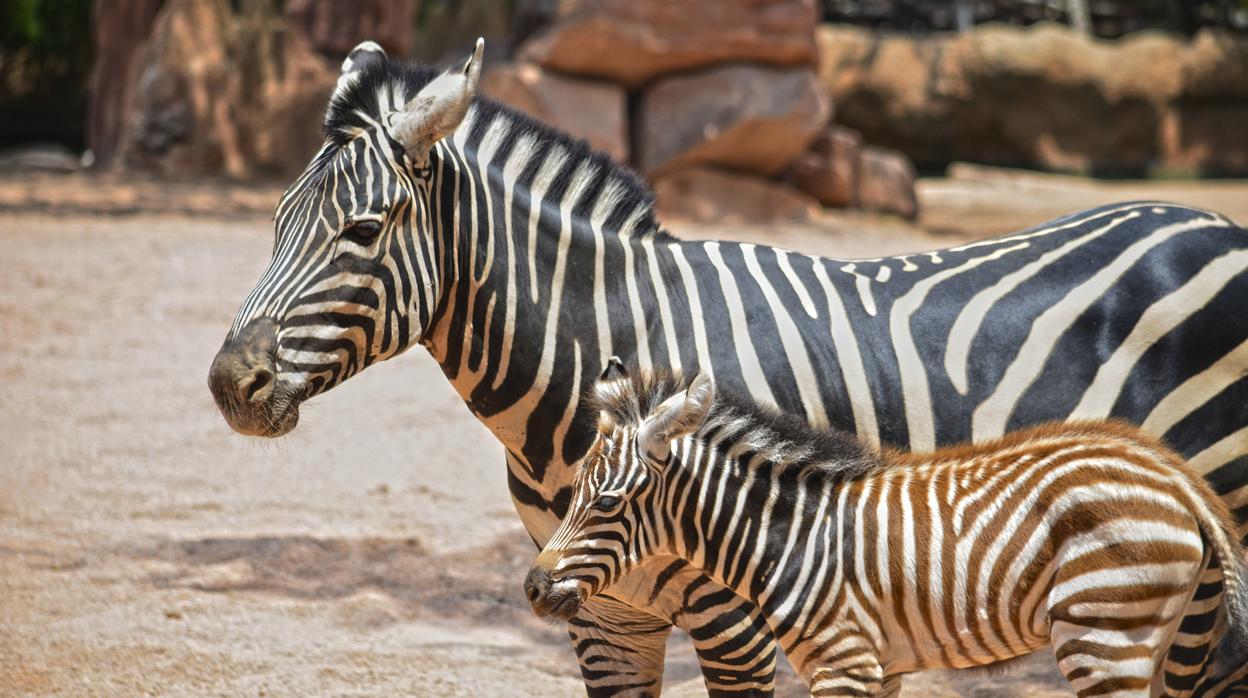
point(549, 599)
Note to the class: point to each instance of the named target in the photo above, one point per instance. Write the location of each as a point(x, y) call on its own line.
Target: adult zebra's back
point(522, 260)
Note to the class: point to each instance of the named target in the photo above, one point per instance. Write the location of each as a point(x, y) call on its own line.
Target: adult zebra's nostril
point(259, 379)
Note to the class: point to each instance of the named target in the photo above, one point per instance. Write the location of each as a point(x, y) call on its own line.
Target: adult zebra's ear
point(437, 110)
point(609, 389)
point(676, 417)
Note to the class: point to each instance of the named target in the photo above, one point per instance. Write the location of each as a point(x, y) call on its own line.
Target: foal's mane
point(783, 439)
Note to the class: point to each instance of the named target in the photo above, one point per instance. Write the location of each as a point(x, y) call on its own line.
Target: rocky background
point(735, 110)
point(1047, 97)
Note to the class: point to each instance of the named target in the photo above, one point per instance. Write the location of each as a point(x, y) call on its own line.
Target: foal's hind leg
point(1204, 620)
point(1110, 637)
point(856, 679)
point(849, 666)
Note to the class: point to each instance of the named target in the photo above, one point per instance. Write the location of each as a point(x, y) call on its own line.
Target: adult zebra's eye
point(362, 232)
point(607, 502)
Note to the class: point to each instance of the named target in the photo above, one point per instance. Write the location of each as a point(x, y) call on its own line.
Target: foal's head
point(618, 516)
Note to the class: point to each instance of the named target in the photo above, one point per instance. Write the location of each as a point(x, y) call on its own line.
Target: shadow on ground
point(477, 586)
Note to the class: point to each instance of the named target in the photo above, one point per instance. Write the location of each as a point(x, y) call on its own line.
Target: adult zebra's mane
point(784, 439)
point(345, 118)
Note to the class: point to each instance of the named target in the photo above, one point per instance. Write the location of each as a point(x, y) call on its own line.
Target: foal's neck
point(755, 496)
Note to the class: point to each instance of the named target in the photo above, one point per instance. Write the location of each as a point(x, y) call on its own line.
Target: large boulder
point(220, 92)
point(706, 195)
point(589, 109)
point(886, 183)
point(741, 117)
point(634, 41)
point(1043, 96)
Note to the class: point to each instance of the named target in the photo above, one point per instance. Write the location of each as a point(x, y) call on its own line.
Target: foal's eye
point(362, 232)
point(607, 502)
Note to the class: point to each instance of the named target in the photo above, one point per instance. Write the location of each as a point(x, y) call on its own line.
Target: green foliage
point(45, 58)
point(46, 29)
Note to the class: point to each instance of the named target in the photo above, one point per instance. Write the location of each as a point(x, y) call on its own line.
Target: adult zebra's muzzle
point(243, 381)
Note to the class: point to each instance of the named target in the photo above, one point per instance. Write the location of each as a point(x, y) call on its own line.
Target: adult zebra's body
point(521, 261)
point(1087, 536)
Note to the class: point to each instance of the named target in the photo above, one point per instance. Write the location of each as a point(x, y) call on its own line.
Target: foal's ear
point(614, 370)
point(677, 416)
point(437, 110)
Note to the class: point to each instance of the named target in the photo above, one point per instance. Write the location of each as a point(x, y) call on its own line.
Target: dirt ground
point(145, 549)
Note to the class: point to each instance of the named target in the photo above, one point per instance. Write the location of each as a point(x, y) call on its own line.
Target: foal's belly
point(965, 634)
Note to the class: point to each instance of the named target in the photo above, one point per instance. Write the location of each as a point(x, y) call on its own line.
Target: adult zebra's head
point(618, 516)
point(356, 272)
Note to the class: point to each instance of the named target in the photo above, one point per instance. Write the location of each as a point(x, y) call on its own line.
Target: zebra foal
point(868, 565)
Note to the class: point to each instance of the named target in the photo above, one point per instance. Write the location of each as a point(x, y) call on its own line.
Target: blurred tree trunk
point(118, 31)
point(1080, 17)
point(963, 15)
point(336, 26)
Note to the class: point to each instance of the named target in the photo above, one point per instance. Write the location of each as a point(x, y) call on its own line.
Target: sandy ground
point(145, 549)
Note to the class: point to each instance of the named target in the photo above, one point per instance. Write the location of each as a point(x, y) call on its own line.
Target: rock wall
point(1046, 97)
point(717, 102)
point(740, 117)
point(635, 41)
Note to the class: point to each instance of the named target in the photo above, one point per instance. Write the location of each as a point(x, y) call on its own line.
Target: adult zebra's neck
point(535, 229)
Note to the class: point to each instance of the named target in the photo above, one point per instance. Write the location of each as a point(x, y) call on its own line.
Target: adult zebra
point(521, 260)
